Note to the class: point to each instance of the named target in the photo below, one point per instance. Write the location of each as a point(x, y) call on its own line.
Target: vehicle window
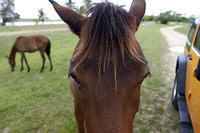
point(191, 34)
point(190, 37)
point(197, 42)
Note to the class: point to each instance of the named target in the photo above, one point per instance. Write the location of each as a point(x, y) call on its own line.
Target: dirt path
point(7, 34)
point(174, 38)
point(176, 42)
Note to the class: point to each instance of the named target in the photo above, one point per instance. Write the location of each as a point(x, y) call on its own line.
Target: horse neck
point(13, 53)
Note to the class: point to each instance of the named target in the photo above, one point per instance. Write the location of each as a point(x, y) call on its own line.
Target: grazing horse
point(30, 44)
point(107, 67)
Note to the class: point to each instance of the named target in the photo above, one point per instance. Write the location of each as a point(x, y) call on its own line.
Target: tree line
point(7, 13)
point(168, 16)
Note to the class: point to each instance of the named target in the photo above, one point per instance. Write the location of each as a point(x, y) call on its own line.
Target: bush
point(167, 16)
point(149, 18)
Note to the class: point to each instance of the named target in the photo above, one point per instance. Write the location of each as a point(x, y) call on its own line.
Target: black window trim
point(195, 42)
point(189, 44)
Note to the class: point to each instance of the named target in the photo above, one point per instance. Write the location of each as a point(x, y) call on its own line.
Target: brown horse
point(30, 44)
point(107, 67)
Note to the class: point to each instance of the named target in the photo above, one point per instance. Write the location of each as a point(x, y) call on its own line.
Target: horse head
point(12, 63)
point(107, 67)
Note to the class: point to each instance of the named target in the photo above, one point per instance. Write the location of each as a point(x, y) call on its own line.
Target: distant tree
point(87, 3)
point(164, 17)
point(41, 15)
point(71, 4)
point(81, 10)
point(149, 18)
point(7, 11)
point(172, 16)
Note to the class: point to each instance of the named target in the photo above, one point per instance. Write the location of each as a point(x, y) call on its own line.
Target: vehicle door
point(192, 83)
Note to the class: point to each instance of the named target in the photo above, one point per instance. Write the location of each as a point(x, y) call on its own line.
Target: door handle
point(189, 57)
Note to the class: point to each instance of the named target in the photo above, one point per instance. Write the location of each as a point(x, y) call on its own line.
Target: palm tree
point(82, 9)
point(41, 15)
point(87, 3)
point(71, 4)
point(7, 10)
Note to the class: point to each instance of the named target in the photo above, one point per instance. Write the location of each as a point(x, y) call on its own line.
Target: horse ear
point(73, 19)
point(137, 10)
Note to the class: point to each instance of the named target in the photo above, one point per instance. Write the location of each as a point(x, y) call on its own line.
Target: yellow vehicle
point(186, 90)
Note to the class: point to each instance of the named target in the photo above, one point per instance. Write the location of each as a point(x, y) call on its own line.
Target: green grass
point(34, 102)
point(184, 29)
point(155, 114)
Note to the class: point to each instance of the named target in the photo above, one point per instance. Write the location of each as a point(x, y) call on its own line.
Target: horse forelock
point(107, 34)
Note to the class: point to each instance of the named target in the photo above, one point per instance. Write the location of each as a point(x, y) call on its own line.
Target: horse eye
point(72, 75)
point(74, 86)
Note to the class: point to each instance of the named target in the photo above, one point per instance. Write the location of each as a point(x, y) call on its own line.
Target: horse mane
point(107, 35)
point(12, 53)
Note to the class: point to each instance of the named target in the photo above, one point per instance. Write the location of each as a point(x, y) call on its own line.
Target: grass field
point(42, 103)
point(184, 29)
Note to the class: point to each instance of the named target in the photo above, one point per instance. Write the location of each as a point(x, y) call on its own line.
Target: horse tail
point(48, 48)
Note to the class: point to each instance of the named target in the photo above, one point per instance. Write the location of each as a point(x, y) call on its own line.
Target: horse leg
point(26, 62)
point(22, 67)
point(43, 60)
point(51, 65)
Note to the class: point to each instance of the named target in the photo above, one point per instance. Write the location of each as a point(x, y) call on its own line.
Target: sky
point(29, 8)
